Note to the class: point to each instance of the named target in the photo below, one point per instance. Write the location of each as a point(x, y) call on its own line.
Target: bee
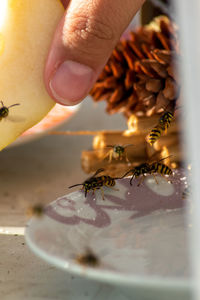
point(94, 183)
point(117, 152)
point(36, 210)
point(149, 168)
point(4, 110)
point(163, 124)
point(88, 259)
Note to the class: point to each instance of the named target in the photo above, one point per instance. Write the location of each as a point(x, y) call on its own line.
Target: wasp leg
point(115, 189)
point(126, 157)
point(155, 178)
point(168, 181)
point(106, 155)
point(110, 155)
point(86, 191)
point(102, 193)
point(142, 178)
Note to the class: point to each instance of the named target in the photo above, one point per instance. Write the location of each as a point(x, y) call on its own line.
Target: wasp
point(97, 182)
point(186, 193)
point(160, 168)
point(166, 119)
point(151, 169)
point(36, 210)
point(4, 110)
point(88, 259)
point(163, 124)
point(142, 169)
point(117, 152)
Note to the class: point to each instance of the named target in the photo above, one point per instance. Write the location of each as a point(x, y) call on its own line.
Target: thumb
point(83, 42)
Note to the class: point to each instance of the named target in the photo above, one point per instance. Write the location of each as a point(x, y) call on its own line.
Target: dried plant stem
point(139, 152)
point(142, 127)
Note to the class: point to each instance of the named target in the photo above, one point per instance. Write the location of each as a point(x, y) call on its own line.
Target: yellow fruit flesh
point(26, 31)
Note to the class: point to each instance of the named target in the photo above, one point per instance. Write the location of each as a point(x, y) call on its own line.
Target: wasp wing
point(96, 173)
point(165, 158)
point(152, 163)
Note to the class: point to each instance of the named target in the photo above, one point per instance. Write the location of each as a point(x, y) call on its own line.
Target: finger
point(83, 42)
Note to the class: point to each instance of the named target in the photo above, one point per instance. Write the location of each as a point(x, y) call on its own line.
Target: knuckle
point(90, 30)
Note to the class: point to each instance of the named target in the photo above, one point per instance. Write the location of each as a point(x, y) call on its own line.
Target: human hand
point(82, 44)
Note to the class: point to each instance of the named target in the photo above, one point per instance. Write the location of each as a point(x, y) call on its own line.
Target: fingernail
point(71, 82)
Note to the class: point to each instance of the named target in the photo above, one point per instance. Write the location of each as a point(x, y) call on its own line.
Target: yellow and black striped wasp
point(160, 168)
point(186, 193)
point(163, 124)
point(96, 182)
point(4, 110)
point(117, 152)
point(88, 259)
point(36, 210)
point(142, 169)
point(151, 169)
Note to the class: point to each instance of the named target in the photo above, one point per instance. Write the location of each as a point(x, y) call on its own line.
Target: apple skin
point(25, 38)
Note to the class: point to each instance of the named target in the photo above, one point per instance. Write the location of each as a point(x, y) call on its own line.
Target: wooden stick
point(92, 160)
point(84, 132)
point(117, 138)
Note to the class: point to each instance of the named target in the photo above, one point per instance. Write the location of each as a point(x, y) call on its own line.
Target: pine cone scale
point(140, 77)
point(144, 67)
point(153, 85)
point(170, 90)
point(162, 56)
point(117, 69)
point(117, 95)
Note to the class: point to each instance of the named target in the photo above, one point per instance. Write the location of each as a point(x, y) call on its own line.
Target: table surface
point(39, 172)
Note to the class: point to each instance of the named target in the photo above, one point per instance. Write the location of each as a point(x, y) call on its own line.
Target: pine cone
point(140, 75)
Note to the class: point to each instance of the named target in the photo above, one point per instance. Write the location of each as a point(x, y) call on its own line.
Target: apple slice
point(26, 31)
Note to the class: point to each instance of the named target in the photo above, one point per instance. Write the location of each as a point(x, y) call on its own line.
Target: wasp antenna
point(115, 178)
point(125, 174)
point(2, 103)
point(71, 186)
point(14, 105)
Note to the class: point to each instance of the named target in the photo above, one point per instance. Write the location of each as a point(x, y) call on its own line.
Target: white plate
point(138, 233)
